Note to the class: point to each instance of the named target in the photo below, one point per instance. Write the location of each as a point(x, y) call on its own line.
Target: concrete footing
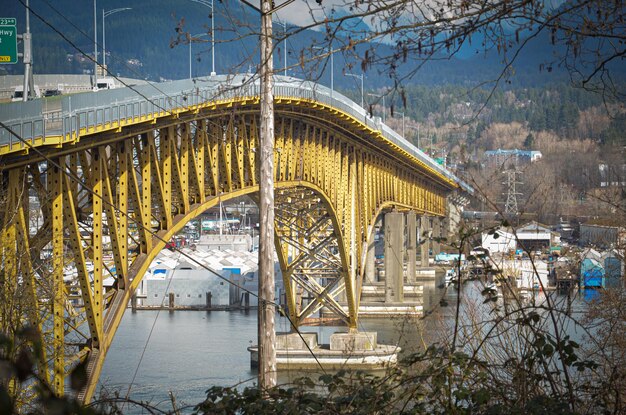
point(345, 351)
point(419, 296)
point(348, 342)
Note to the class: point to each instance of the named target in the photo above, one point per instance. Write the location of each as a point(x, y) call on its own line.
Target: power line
point(510, 207)
point(153, 233)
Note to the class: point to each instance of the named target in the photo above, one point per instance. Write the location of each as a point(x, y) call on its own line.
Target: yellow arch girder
point(112, 196)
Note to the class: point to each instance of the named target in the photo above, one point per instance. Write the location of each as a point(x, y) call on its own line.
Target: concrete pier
point(437, 233)
point(370, 260)
point(424, 240)
point(394, 257)
point(403, 287)
point(411, 249)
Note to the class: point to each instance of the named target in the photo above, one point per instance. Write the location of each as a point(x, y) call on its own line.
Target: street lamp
point(210, 6)
point(418, 134)
point(95, 45)
point(383, 97)
point(332, 68)
point(199, 35)
point(104, 38)
point(361, 78)
point(284, 25)
point(398, 112)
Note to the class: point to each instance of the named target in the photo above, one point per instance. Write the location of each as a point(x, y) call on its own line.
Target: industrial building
point(536, 236)
point(500, 241)
point(601, 236)
point(195, 278)
point(511, 158)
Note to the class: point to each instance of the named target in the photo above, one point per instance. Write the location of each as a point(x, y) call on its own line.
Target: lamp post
point(398, 112)
point(95, 45)
point(332, 68)
point(210, 6)
point(418, 134)
point(199, 35)
point(106, 14)
point(284, 25)
point(383, 97)
point(361, 78)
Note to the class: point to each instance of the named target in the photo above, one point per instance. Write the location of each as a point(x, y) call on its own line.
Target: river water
point(186, 352)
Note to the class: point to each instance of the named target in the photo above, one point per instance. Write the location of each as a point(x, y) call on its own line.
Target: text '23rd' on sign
point(8, 40)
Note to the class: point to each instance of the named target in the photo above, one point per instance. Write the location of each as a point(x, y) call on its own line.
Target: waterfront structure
point(592, 273)
point(500, 241)
point(188, 288)
point(150, 159)
point(191, 272)
point(536, 236)
point(601, 269)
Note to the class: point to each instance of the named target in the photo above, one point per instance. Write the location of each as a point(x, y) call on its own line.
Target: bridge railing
point(118, 107)
point(325, 95)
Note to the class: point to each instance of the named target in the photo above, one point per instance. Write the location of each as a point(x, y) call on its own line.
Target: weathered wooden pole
point(266, 329)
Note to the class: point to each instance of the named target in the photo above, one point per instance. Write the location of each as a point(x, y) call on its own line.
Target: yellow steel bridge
point(95, 189)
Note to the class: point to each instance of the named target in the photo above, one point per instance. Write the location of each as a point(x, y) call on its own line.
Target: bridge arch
point(87, 176)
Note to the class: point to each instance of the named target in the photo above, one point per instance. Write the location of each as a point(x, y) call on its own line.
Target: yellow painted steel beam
point(71, 223)
point(173, 171)
point(98, 165)
point(55, 189)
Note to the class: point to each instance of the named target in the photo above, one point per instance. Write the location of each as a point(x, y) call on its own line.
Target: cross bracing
point(111, 194)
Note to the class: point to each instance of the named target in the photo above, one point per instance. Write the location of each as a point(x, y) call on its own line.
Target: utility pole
point(210, 6)
point(266, 326)
point(106, 14)
point(267, 331)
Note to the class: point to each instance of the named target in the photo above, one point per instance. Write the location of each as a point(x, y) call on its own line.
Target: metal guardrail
point(125, 105)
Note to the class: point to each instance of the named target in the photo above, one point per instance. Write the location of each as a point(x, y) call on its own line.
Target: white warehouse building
point(501, 241)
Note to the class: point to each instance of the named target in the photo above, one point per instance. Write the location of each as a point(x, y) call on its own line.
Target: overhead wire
point(78, 179)
point(143, 351)
point(153, 233)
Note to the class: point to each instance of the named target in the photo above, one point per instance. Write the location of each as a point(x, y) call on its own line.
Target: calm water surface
point(189, 351)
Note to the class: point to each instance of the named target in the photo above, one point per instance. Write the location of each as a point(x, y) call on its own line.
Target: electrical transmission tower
point(510, 207)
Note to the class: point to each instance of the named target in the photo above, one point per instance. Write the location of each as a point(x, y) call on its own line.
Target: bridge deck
point(39, 124)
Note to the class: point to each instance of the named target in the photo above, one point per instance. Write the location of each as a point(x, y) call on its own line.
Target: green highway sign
point(8, 40)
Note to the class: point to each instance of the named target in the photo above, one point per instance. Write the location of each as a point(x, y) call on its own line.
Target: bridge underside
point(81, 223)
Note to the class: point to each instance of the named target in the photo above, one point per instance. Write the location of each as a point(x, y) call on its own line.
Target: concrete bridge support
point(411, 251)
point(437, 233)
point(334, 174)
point(454, 216)
point(370, 259)
point(394, 257)
point(424, 241)
point(370, 264)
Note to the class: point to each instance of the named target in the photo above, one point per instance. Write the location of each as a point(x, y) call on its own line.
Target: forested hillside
point(452, 104)
point(150, 42)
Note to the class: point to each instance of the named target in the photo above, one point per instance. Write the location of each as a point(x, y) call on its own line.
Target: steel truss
point(77, 217)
